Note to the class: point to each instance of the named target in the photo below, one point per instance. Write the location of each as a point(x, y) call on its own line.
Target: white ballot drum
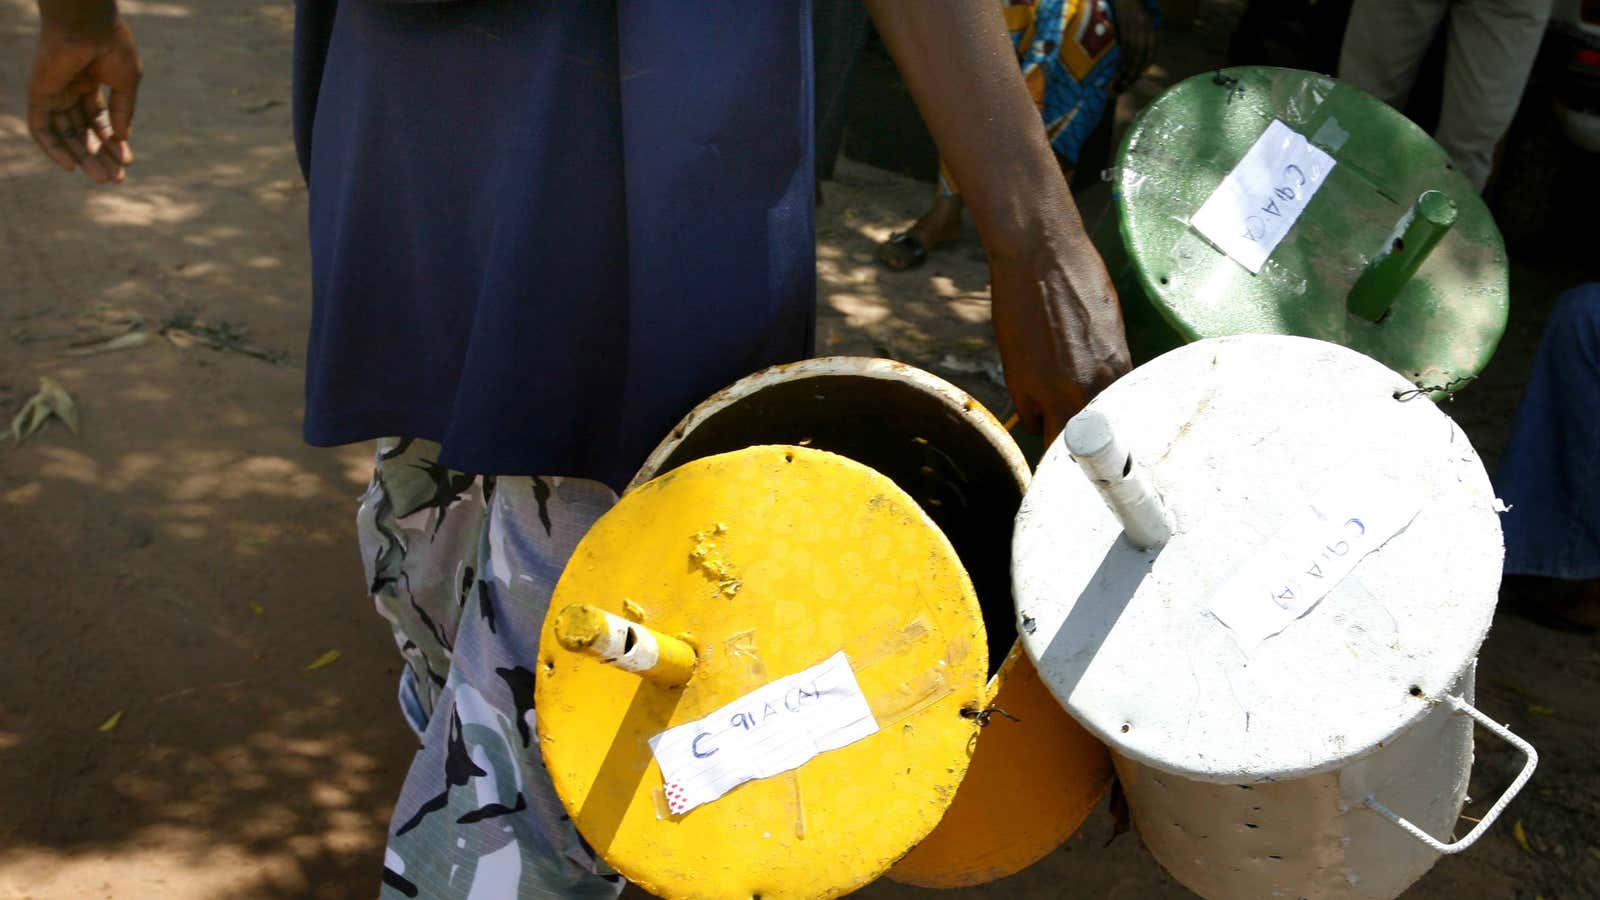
point(1260, 569)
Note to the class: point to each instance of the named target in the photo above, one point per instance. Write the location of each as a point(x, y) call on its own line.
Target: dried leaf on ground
point(51, 401)
point(1521, 837)
point(185, 330)
point(105, 324)
point(180, 338)
point(326, 659)
point(120, 342)
point(987, 365)
point(96, 327)
point(111, 723)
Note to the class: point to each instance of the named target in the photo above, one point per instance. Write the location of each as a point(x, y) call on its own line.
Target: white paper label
point(770, 730)
point(1256, 205)
point(1319, 545)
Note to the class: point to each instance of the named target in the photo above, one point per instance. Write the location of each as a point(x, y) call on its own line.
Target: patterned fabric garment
point(463, 567)
point(1068, 53)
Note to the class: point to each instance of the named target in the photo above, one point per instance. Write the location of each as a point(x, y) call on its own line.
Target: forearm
point(89, 18)
point(958, 61)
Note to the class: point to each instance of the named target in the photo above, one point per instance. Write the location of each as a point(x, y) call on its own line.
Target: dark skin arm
point(81, 90)
point(1056, 318)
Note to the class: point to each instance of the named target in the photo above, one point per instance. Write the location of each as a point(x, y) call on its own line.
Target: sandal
point(903, 250)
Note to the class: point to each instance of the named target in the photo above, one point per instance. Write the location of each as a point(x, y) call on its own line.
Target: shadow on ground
point(184, 558)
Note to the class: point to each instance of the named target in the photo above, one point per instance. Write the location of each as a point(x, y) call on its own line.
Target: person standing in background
point(1493, 44)
point(839, 31)
point(540, 233)
point(1074, 55)
point(1549, 475)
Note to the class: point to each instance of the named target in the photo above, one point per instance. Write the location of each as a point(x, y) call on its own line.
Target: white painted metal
point(1307, 837)
point(1257, 769)
point(1237, 434)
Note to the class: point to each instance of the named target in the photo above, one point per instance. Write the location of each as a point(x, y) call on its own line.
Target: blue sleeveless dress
point(542, 231)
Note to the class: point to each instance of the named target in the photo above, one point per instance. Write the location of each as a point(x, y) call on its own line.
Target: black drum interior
point(912, 437)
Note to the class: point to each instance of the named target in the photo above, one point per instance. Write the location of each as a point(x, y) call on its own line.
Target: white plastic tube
point(1123, 484)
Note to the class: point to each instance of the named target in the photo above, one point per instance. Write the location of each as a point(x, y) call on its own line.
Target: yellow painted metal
point(1030, 784)
point(617, 641)
point(768, 560)
point(1033, 781)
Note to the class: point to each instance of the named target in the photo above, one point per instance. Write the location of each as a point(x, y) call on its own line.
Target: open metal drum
point(1033, 778)
point(1273, 617)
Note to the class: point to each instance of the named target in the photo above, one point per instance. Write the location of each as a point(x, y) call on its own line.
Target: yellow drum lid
point(934, 440)
point(1030, 784)
point(768, 560)
point(1035, 777)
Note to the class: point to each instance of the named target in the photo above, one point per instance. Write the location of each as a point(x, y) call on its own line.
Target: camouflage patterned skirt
point(463, 566)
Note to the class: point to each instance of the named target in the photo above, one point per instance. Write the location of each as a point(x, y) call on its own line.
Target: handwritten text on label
point(1354, 514)
point(775, 728)
point(1259, 201)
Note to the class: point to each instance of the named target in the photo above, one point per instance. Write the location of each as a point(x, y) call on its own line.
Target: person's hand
point(69, 118)
point(1136, 36)
point(1059, 329)
point(1056, 318)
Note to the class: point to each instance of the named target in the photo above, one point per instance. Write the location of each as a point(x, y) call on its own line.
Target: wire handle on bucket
point(1499, 806)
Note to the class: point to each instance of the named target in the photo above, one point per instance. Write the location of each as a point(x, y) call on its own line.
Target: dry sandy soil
point(183, 558)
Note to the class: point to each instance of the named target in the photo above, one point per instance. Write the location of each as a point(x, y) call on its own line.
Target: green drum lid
point(1392, 215)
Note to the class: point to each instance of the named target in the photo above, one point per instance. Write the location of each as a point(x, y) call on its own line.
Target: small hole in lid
point(1125, 727)
point(1416, 691)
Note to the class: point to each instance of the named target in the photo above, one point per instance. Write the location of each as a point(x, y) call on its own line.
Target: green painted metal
point(1446, 309)
point(1414, 238)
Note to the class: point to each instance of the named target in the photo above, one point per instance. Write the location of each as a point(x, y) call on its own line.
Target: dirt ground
point(183, 559)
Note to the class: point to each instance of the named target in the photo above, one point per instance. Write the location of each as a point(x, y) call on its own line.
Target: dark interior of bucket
point(933, 453)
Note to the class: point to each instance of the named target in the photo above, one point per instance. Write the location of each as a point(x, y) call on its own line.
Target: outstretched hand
point(1059, 330)
point(69, 117)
